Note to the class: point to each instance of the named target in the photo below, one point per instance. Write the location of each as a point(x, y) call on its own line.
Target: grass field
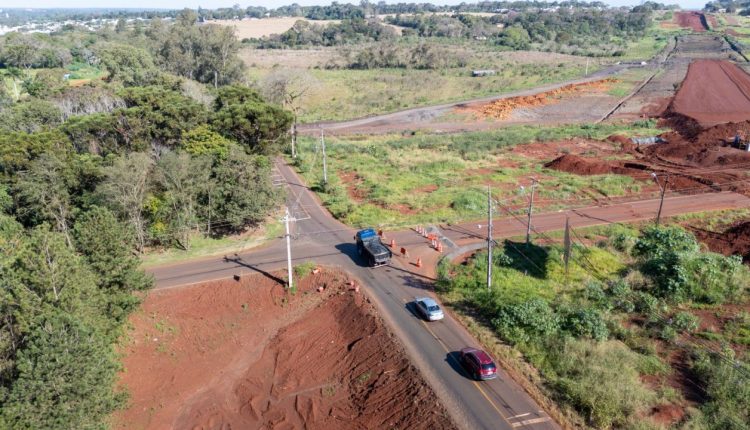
point(344, 94)
point(257, 28)
point(396, 181)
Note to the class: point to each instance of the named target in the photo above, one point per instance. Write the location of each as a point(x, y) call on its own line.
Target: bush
point(586, 323)
point(600, 380)
point(525, 322)
point(728, 390)
point(685, 322)
point(657, 242)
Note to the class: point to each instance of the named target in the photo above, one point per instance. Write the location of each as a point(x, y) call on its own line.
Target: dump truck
point(372, 248)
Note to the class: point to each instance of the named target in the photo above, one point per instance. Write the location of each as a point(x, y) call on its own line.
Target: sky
point(211, 4)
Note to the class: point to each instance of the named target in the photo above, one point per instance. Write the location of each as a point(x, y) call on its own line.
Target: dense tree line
point(92, 175)
point(347, 32)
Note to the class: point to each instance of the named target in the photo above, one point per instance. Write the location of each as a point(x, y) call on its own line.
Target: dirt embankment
point(249, 355)
point(695, 21)
point(713, 92)
point(733, 241)
point(503, 108)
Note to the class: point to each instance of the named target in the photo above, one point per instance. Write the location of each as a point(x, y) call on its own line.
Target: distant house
point(478, 73)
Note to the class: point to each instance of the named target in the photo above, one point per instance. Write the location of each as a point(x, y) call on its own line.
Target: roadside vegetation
point(629, 330)
point(405, 180)
point(162, 145)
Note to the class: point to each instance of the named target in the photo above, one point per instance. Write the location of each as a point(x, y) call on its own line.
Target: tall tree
point(43, 194)
point(124, 189)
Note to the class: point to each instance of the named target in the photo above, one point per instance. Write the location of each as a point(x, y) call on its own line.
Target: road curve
point(432, 347)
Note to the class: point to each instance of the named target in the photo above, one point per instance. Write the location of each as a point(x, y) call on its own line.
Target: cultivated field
point(256, 28)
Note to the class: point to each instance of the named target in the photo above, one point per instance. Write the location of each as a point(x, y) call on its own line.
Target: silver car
point(428, 308)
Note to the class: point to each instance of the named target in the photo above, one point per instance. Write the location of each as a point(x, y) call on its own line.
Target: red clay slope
point(714, 92)
point(691, 20)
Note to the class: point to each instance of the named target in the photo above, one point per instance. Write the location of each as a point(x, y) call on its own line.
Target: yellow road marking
point(476, 384)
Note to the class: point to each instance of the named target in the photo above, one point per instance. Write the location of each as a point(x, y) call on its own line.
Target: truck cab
point(372, 248)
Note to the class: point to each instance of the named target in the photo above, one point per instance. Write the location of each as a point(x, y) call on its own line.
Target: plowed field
point(248, 355)
point(713, 92)
point(691, 20)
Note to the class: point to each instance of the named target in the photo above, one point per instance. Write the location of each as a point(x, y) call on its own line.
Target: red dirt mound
point(733, 241)
point(579, 165)
point(248, 355)
point(713, 92)
point(692, 20)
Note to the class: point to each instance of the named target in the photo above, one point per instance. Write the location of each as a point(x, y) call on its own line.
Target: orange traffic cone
point(393, 243)
point(440, 246)
point(419, 262)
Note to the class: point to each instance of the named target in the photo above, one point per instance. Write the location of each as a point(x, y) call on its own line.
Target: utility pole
point(325, 164)
point(489, 238)
point(531, 209)
point(663, 190)
point(294, 137)
point(288, 249)
point(587, 66)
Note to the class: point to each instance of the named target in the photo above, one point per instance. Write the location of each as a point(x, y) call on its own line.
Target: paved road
point(423, 117)
point(497, 404)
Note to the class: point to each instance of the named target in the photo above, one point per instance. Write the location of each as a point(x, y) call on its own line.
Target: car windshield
point(488, 367)
point(433, 308)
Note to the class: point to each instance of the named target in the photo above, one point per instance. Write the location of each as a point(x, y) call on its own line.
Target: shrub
point(527, 321)
point(586, 323)
point(656, 242)
point(685, 322)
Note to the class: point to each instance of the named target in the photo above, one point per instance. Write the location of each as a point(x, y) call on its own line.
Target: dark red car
point(478, 363)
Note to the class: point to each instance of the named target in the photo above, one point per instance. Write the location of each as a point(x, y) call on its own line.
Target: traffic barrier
point(393, 243)
point(440, 246)
point(419, 262)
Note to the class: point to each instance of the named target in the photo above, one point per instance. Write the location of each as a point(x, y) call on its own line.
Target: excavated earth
point(733, 241)
point(695, 21)
point(248, 355)
point(714, 92)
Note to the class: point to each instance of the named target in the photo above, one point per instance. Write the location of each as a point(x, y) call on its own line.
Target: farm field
point(256, 28)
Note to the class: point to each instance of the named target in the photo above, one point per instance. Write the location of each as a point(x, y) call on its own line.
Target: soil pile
point(249, 355)
point(733, 241)
point(713, 92)
point(692, 20)
point(503, 108)
point(579, 165)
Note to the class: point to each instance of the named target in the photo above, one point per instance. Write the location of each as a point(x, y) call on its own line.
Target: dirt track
point(714, 92)
point(248, 355)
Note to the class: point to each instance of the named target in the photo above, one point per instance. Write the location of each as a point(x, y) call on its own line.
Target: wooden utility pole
point(489, 238)
point(663, 190)
point(531, 209)
point(325, 161)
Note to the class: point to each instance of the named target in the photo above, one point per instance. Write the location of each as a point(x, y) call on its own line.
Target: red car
point(478, 363)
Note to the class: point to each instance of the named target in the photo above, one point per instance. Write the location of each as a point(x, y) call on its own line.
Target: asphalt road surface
point(432, 347)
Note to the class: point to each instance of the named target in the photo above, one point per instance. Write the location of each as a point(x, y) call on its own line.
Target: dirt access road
point(425, 117)
point(501, 403)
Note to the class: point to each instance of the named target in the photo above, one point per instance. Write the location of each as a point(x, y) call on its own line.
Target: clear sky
point(178, 4)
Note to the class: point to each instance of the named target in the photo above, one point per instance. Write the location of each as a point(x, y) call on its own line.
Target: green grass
point(84, 71)
point(441, 178)
point(202, 246)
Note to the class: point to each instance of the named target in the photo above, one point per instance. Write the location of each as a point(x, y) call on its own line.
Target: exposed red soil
point(731, 20)
point(733, 241)
point(732, 32)
point(354, 186)
point(691, 20)
point(712, 21)
point(503, 108)
point(667, 414)
point(246, 354)
point(705, 162)
point(713, 92)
